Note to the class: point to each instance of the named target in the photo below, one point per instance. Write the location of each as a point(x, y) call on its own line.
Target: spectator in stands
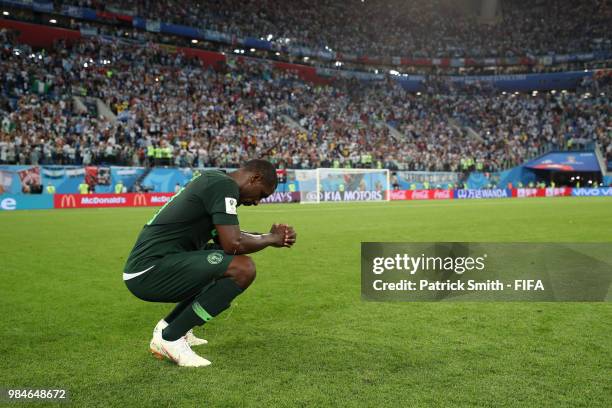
point(191, 115)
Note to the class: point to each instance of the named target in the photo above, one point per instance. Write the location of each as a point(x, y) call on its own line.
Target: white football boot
point(177, 351)
point(192, 340)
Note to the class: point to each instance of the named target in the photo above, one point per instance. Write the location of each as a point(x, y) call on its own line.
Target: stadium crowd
point(531, 64)
point(173, 110)
point(407, 28)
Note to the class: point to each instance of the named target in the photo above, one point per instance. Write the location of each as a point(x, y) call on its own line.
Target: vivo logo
point(592, 192)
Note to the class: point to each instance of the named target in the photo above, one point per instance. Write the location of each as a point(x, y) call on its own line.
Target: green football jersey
point(187, 221)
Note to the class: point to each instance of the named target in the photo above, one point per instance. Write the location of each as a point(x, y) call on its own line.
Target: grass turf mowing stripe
point(301, 335)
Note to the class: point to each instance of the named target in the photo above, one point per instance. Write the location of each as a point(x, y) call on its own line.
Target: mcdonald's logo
point(140, 200)
point(68, 201)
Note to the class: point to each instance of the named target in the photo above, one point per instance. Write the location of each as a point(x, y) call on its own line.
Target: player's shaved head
point(256, 181)
point(265, 169)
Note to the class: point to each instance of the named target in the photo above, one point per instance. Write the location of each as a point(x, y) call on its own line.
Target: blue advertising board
point(566, 161)
point(486, 193)
point(592, 192)
point(11, 202)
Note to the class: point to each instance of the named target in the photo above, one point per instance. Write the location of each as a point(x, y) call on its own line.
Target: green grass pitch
point(301, 335)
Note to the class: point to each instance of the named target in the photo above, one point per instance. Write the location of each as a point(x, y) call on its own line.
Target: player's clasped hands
point(285, 233)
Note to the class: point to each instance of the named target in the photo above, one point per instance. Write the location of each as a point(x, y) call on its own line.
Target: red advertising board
point(421, 194)
point(40, 35)
point(557, 191)
point(397, 195)
point(110, 200)
point(442, 194)
point(526, 192)
point(542, 192)
point(159, 199)
point(418, 195)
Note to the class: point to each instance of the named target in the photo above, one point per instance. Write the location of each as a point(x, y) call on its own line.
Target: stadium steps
point(463, 128)
point(455, 125)
point(396, 134)
point(78, 105)
point(141, 178)
point(92, 106)
point(105, 111)
point(472, 133)
point(292, 123)
point(603, 165)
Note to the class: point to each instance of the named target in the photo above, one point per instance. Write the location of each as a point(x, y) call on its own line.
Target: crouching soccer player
point(173, 262)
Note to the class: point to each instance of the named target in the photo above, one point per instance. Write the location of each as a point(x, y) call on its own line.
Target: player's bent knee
point(241, 270)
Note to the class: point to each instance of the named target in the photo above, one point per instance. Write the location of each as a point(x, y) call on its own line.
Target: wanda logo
point(68, 201)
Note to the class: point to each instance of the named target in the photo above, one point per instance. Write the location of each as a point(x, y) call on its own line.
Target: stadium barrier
point(10, 202)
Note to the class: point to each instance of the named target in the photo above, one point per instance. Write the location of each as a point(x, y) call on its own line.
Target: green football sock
point(178, 309)
point(207, 304)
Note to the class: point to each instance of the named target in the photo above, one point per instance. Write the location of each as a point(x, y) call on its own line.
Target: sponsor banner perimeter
point(421, 194)
point(495, 193)
point(110, 200)
point(159, 199)
point(140, 199)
